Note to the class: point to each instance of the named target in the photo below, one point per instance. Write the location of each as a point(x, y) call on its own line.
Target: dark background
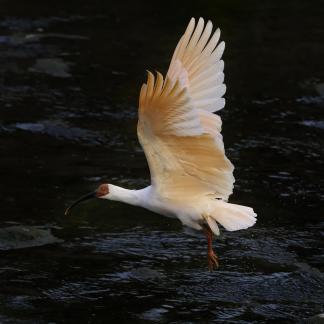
point(70, 74)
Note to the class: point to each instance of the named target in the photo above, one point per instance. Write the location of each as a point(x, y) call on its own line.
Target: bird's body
point(191, 211)
point(191, 177)
point(186, 210)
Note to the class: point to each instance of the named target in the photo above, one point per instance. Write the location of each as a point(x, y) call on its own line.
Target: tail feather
point(233, 217)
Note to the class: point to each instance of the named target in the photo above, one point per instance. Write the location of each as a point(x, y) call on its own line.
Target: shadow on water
point(69, 81)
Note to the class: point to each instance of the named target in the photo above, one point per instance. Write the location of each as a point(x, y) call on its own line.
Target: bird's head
point(101, 192)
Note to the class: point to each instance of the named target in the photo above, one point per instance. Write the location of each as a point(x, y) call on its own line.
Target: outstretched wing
point(177, 129)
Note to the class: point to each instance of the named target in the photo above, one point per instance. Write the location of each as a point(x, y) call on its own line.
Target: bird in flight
point(191, 177)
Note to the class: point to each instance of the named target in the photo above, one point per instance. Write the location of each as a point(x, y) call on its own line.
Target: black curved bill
point(83, 198)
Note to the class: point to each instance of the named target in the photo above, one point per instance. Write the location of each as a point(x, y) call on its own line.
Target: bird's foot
point(213, 263)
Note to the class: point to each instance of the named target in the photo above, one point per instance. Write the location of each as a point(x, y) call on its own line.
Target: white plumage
point(191, 177)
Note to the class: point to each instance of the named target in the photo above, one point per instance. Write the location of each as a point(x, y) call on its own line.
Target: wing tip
point(192, 20)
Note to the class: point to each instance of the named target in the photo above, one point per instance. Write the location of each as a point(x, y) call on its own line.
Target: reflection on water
point(69, 83)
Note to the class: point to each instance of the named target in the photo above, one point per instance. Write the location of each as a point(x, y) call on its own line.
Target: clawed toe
point(212, 261)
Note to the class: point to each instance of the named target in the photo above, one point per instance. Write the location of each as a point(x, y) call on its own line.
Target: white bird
point(191, 178)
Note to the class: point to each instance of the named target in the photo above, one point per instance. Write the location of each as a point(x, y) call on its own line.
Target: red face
point(102, 190)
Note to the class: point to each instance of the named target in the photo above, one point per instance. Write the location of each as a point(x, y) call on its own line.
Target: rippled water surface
point(70, 74)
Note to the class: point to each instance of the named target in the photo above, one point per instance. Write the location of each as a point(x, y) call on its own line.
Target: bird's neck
point(132, 197)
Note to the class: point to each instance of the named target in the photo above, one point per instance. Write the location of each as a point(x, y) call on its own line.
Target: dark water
point(70, 74)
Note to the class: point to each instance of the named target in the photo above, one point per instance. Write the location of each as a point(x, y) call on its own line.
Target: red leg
point(211, 256)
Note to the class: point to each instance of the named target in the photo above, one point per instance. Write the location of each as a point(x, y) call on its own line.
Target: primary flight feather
point(191, 177)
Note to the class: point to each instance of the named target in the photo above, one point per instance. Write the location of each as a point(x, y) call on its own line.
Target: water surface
point(70, 75)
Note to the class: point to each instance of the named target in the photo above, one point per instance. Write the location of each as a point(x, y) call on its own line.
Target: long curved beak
point(83, 198)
